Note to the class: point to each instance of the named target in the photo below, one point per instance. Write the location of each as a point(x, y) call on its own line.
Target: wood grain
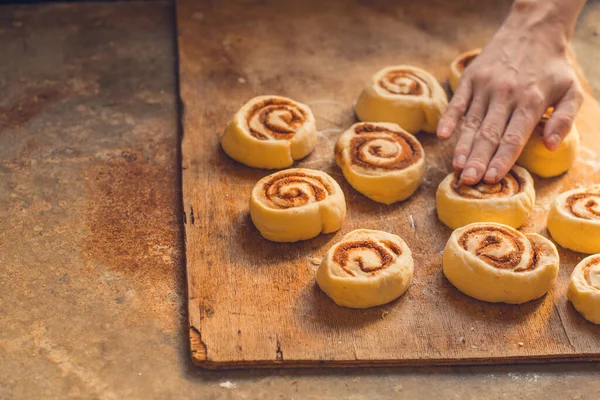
point(255, 303)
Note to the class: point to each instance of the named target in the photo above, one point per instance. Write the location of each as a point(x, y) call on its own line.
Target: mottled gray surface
point(91, 264)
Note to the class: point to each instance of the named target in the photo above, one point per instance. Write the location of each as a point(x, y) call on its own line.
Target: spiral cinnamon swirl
point(297, 204)
point(574, 220)
point(459, 65)
point(381, 161)
point(509, 201)
point(270, 132)
point(496, 263)
point(545, 163)
point(584, 288)
point(366, 268)
point(404, 95)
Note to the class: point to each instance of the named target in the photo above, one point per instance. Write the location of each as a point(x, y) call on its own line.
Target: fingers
point(521, 125)
point(517, 133)
point(456, 109)
point(487, 140)
point(469, 127)
point(561, 121)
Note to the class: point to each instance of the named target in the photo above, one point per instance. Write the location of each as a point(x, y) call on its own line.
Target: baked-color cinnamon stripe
point(277, 118)
point(377, 147)
point(500, 248)
point(401, 82)
point(587, 269)
point(295, 189)
point(386, 255)
point(510, 185)
point(585, 205)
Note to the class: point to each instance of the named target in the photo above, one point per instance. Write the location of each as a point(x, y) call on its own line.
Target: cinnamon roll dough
point(545, 163)
point(574, 220)
point(508, 202)
point(381, 161)
point(404, 95)
point(459, 65)
point(496, 263)
point(366, 268)
point(584, 288)
point(270, 132)
point(297, 204)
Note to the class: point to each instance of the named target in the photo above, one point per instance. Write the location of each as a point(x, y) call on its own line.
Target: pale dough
point(458, 66)
point(496, 263)
point(584, 288)
point(545, 163)
point(508, 202)
point(574, 220)
point(381, 161)
point(404, 95)
point(297, 204)
point(270, 132)
point(366, 268)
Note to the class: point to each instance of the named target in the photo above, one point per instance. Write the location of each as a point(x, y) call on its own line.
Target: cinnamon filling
point(591, 207)
point(404, 83)
point(376, 147)
point(510, 185)
point(278, 119)
point(493, 240)
point(295, 189)
point(587, 269)
point(343, 256)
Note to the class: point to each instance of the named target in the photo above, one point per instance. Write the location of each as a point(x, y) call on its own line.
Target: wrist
point(554, 19)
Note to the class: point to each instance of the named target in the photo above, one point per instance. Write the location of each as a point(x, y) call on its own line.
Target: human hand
point(504, 92)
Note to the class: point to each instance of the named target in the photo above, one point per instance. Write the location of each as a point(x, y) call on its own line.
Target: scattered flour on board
point(228, 385)
point(412, 222)
point(591, 159)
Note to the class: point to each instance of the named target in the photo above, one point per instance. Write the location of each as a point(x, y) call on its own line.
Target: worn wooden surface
point(255, 303)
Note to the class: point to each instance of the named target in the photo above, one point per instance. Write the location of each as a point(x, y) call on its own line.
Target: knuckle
point(501, 164)
point(461, 149)
point(513, 139)
point(534, 98)
point(476, 162)
point(491, 133)
point(578, 94)
point(563, 121)
point(506, 86)
point(483, 75)
point(472, 122)
point(459, 105)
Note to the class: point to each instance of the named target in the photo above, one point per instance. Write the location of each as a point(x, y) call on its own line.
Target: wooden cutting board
point(255, 303)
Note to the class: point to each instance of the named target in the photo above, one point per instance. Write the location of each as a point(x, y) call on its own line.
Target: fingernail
point(554, 141)
point(469, 174)
point(491, 175)
point(443, 132)
point(461, 160)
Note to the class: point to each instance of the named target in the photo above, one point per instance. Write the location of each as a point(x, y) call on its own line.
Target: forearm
point(555, 17)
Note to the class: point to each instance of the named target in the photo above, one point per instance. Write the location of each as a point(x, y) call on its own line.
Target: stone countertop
point(92, 269)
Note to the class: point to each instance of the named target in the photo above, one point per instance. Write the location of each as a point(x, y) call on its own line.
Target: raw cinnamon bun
point(584, 288)
point(366, 268)
point(381, 161)
point(404, 95)
point(574, 220)
point(297, 204)
point(507, 202)
point(496, 263)
point(270, 132)
point(545, 163)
